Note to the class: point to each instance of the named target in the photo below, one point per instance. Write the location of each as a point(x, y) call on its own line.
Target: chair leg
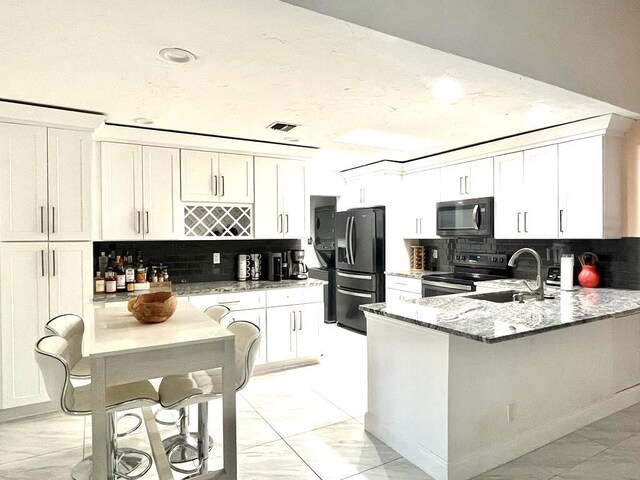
point(183, 446)
point(203, 443)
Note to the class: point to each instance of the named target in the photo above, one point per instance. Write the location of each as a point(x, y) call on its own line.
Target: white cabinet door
point(24, 304)
point(162, 218)
point(258, 317)
point(70, 268)
point(509, 195)
point(69, 168)
point(309, 317)
point(352, 196)
point(421, 193)
point(281, 337)
point(121, 191)
point(199, 176)
point(540, 176)
point(291, 184)
point(467, 180)
point(235, 178)
point(268, 221)
point(23, 183)
point(580, 188)
point(626, 361)
point(394, 297)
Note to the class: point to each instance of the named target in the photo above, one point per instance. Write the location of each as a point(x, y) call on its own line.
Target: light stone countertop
point(491, 322)
point(418, 275)
point(207, 288)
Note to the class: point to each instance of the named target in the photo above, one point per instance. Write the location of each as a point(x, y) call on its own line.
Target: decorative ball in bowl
point(153, 307)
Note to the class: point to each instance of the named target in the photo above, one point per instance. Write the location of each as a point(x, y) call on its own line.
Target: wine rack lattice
point(217, 221)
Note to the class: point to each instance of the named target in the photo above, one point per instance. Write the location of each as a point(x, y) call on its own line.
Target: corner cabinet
point(525, 201)
point(140, 192)
point(216, 177)
point(38, 280)
point(45, 182)
point(280, 198)
point(473, 179)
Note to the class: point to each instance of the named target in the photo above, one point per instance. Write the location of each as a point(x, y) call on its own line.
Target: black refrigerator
point(359, 263)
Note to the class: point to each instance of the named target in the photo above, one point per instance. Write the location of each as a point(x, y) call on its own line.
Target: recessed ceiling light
point(387, 141)
point(143, 121)
point(447, 90)
point(176, 55)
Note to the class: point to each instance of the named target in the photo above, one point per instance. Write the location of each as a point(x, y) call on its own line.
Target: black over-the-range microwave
point(471, 217)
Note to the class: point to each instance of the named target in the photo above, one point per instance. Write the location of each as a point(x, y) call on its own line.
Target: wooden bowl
point(153, 307)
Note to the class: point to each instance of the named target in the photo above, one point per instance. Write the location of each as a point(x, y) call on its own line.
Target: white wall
point(631, 182)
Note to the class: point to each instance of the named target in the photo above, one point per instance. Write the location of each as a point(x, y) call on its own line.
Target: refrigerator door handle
point(350, 241)
point(354, 294)
point(346, 239)
point(351, 275)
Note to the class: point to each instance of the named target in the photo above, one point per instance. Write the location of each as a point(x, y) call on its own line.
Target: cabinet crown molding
point(49, 117)
point(385, 167)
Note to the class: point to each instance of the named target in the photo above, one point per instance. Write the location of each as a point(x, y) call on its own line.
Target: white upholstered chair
point(181, 391)
point(56, 359)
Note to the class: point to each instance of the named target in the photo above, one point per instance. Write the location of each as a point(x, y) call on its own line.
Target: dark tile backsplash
point(192, 260)
point(618, 266)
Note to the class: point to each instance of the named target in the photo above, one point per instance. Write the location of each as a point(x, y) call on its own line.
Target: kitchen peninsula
point(460, 385)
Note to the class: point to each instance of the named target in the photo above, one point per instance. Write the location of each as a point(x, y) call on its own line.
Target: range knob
point(462, 257)
point(494, 259)
point(501, 260)
point(458, 257)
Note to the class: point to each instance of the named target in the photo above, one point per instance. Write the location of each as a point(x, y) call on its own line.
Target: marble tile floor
point(307, 423)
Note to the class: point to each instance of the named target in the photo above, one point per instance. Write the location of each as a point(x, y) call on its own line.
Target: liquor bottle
point(130, 274)
point(103, 261)
point(141, 271)
point(110, 280)
point(99, 283)
point(121, 283)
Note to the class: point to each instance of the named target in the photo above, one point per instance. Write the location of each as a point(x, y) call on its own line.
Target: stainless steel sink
point(503, 296)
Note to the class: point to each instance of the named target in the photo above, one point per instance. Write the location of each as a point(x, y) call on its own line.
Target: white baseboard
point(497, 454)
point(16, 413)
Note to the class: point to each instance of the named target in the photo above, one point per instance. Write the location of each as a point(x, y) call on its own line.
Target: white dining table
point(123, 350)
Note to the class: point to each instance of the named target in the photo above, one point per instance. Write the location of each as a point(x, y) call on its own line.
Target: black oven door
point(432, 288)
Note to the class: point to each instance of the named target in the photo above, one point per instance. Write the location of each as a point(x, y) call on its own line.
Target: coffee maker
point(297, 269)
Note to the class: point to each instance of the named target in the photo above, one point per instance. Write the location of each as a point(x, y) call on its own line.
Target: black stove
point(469, 268)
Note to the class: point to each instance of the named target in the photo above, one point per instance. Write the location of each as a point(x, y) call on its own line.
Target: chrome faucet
point(539, 287)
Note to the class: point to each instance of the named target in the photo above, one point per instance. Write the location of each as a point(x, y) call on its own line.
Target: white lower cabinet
point(400, 288)
point(626, 361)
point(257, 316)
point(293, 331)
point(38, 280)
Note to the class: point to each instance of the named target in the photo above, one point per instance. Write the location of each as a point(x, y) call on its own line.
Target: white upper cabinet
point(472, 179)
point(44, 184)
point(589, 188)
point(69, 169)
point(421, 193)
point(280, 198)
point(525, 194)
point(216, 177)
point(140, 191)
point(367, 191)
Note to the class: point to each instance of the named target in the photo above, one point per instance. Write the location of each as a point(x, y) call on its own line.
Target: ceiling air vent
point(282, 126)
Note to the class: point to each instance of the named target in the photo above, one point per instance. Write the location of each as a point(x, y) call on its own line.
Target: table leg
point(229, 411)
point(102, 458)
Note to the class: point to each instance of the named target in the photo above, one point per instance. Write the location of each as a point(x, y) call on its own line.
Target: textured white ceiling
point(259, 61)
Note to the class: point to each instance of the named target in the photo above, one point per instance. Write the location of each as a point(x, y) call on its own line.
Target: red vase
point(588, 277)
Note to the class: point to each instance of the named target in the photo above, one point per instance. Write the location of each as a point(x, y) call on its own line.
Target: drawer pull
point(229, 302)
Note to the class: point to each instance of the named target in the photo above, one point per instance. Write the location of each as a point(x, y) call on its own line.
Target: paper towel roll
point(566, 272)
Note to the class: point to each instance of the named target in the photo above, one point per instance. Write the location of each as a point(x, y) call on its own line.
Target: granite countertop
point(410, 274)
point(206, 288)
point(491, 322)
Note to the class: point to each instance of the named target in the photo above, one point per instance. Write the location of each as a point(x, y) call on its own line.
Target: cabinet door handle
point(222, 185)
point(42, 261)
point(525, 222)
point(146, 220)
point(53, 219)
point(279, 222)
point(417, 225)
point(466, 184)
point(41, 219)
point(561, 229)
point(286, 217)
point(54, 262)
point(461, 187)
point(215, 185)
point(518, 222)
point(420, 224)
point(229, 302)
point(292, 320)
point(138, 213)
point(300, 320)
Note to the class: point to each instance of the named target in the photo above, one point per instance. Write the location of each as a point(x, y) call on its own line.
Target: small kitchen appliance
point(465, 218)
point(273, 266)
point(469, 268)
point(553, 276)
point(297, 269)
